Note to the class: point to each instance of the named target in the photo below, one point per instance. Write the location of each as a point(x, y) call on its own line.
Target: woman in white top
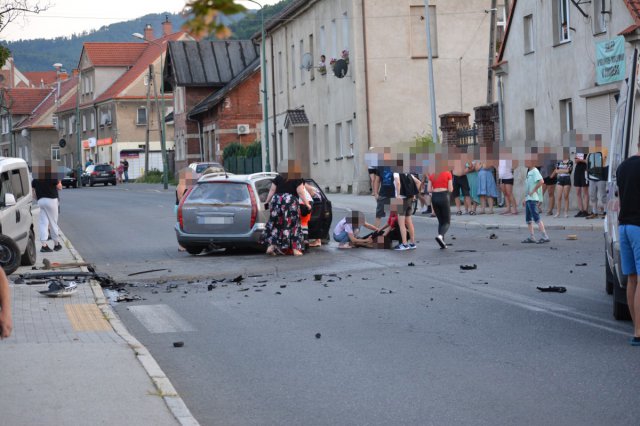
point(505, 174)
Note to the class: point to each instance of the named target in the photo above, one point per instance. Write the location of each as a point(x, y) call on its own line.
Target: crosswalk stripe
point(160, 319)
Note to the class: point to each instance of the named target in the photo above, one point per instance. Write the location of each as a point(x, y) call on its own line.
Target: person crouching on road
point(46, 185)
point(346, 231)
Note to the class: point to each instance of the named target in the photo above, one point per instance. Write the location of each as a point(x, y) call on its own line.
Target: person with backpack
point(406, 188)
point(383, 188)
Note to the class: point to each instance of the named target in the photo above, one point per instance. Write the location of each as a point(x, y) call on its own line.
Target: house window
point(325, 142)
point(566, 115)
point(71, 124)
point(63, 124)
point(141, 116)
point(293, 66)
point(345, 32)
point(599, 17)
point(314, 144)
point(84, 123)
point(418, 30)
point(55, 153)
point(178, 100)
point(561, 21)
point(322, 42)
point(5, 125)
point(501, 26)
point(529, 125)
point(528, 34)
point(92, 121)
point(54, 122)
point(280, 147)
point(312, 71)
point(350, 137)
point(339, 147)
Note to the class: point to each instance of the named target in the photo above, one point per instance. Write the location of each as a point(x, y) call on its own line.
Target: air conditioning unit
point(243, 129)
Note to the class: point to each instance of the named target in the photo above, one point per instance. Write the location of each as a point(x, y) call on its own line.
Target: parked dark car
point(69, 179)
point(229, 211)
point(99, 173)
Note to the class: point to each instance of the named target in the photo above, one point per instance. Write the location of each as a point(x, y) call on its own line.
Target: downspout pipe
point(366, 78)
point(275, 122)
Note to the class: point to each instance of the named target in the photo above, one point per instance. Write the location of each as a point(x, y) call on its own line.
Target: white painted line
point(160, 319)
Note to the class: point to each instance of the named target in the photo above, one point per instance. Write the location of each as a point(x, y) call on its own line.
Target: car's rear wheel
point(9, 255)
point(29, 256)
point(193, 249)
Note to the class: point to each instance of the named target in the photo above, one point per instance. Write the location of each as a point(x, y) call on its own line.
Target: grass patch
point(155, 176)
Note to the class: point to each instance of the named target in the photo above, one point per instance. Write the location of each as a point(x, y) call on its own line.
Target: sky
point(66, 17)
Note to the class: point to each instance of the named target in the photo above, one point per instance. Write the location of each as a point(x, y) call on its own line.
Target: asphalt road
point(398, 344)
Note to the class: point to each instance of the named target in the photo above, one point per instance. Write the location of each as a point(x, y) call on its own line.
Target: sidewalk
point(71, 361)
point(366, 204)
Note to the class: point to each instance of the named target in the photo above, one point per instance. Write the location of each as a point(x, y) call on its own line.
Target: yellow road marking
point(86, 317)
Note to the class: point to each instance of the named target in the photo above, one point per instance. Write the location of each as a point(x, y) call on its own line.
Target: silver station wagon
point(227, 211)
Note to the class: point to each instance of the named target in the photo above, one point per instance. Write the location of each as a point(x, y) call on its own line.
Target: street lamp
point(267, 165)
point(163, 141)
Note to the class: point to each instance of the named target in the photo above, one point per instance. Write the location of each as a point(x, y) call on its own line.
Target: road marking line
point(160, 319)
point(86, 317)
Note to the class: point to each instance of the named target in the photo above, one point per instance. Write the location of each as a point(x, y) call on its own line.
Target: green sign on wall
point(610, 61)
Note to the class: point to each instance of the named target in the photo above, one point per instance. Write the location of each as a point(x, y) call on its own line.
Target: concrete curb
point(174, 403)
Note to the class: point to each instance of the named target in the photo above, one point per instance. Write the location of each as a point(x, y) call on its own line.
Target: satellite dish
point(307, 61)
point(340, 68)
point(62, 143)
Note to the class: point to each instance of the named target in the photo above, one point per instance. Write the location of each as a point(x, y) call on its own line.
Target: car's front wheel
point(29, 256)
point(9, 255)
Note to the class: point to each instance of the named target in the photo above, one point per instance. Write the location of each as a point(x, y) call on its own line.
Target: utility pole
point(77, 126)
point(432, 90)
point(492, 50)
point(163, 146)
point(146, 140)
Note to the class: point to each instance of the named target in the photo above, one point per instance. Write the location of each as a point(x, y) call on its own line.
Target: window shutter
point(599, 117)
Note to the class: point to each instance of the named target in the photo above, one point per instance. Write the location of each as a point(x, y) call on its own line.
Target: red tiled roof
point(151, 53)
point(113, 54)
point(37, 77)
point(66, 87)
point(22, 101)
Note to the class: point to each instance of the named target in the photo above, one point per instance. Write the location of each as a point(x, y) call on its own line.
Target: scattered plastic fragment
point(178, 344)
point(318, 335)
point(468, 267)
point(493, 237)
point(554, 289)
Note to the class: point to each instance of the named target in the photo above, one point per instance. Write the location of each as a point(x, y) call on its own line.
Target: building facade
point(381, 99)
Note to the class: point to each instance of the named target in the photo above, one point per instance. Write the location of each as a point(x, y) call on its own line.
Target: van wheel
point(608, 276)
point(620, 309)
point(29, 255)
point(9, 255)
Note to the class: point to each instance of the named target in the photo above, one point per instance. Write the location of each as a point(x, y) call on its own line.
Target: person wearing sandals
point(563, 172)
point(533, 195)
point(505, 173)
point(487, 188)
point(441, 186)
point(550, 181)
point(283, 231)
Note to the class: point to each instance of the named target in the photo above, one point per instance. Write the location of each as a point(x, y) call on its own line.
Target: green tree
point(205, 16)
point(234, 149)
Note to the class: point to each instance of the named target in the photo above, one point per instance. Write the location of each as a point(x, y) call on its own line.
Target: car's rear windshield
point(102, 168)
point(220, 193)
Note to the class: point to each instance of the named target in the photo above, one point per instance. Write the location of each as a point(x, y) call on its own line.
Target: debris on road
point(411, 264)
point(318, 335)
point(317, 277)
point(553, 289)
point(468, 267)
point(581, 264)
point(210, 287)
point(178, 344)
point(60, 288)
point(493, 237)
point(465, 251)
point(572, 237)
point(238, 279)
point(147, 271)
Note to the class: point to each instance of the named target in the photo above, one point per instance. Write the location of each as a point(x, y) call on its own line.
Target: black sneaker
point(45, 249)
point(57, 247)
point(441, 242)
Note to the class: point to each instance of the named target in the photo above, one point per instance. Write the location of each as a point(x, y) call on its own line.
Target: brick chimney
point(166, 26)
point(76, 71)
point(148, 32)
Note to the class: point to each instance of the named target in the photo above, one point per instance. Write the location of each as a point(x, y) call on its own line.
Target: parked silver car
point(16, 217)
point(229, 211)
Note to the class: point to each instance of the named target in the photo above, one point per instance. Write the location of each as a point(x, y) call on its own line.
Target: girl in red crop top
point(441, 180)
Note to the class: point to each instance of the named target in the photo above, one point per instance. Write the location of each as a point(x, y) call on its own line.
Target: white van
point(16, 217)
point(626, 130)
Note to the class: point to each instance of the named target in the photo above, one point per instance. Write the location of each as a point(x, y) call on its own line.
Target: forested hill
point(41, 54)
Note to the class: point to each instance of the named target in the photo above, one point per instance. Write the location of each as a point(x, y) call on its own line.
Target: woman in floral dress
point(283, 232)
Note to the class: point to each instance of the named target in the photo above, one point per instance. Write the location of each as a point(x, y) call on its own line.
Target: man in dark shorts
point(628, 181)
point(461, 183)
point(383, 191)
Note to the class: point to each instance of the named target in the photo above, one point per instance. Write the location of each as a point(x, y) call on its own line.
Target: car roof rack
point(216, 174)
